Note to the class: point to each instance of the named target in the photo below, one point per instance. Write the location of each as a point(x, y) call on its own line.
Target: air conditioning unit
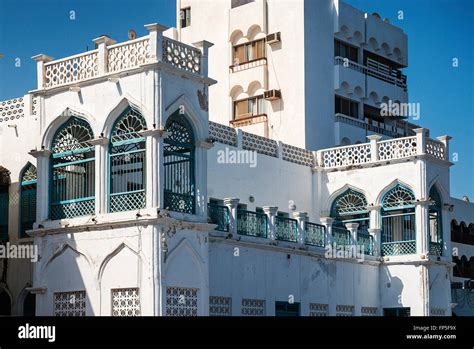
point(273, 38)
point(272, 95)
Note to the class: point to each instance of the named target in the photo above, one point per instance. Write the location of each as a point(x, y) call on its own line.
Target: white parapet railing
point(345, 156)
point(12, 109)
point(110, 58)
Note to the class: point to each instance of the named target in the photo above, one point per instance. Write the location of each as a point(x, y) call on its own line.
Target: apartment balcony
point(369, 83)
point(397, 129)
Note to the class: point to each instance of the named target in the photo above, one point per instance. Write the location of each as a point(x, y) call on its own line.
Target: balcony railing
point(436, 248)
point(252, 223)
point(376, 70)
point(219, 215)
point(286, 229)
point(314, 234)
point(396, 248)
point(367, 241)
point(341, 236)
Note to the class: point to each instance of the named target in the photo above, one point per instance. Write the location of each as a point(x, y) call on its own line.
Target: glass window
point(347, 107)
point(249, 51)
point(245, 108)
point(185, 17)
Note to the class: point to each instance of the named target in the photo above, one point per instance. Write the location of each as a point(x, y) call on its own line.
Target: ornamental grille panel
point(436, 149)
point(12, 109)
point(126, 302)
point(369, 311)
point(367, 243)
point(179, 176)
point(220, 306)
point(127, 162)
point(73, 69)
point(219, 215)
point(129, 55)
point(398, 197)
point(317, 309)
point(314, 234)
point(341, 236)
point(344, 310)
point(398, 248)
point(222, 134)
point(252, 223)
point(346, 156)
point(73, 171)
point(438, 312)
point(297, 155)
point(397, 148)
point(181, 301)
point(181, 56)
point(28, 199)
point(348, 203)
point(253, 307)
point(70, 303)
point(286, 229)
point(259, 144)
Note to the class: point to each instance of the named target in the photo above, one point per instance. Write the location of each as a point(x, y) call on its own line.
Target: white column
point(42, 186)
point(101, 174)
point(201, 178)
point(422, 223)
point(420, 140)
point(377, 236)
point(271, 212)
point(156, 40)
point(41, 60)
point(204, 47)
point(445, 140)
point(373, 147)
point(154, 166)
point(352, 227)
point(102, 57)
point(232, 204)
point(302, 218)
point(327, 222)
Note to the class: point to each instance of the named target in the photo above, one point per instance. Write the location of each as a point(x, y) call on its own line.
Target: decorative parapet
point(297, 155)
point(345, 156)
point(12, 109)
point(222, 134)
point(110, 58)
point(260, 144)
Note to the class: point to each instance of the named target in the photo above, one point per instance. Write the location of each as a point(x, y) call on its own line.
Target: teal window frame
point(435, 222)
point(28, 194)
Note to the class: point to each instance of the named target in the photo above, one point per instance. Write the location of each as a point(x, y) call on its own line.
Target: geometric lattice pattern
point(218, 215)
point(252, 223)
point(73, 209)
point(315, 234)
point(181, 301)
point(127, 202)
point(438, 312)
point(398, 248)
point(71, 70)
point(222, 134)
point(75, 134)
point(297, 155)
point(126, 302)
point(436, 149)
point(128, 125)
point(341, 236)
point(128, 55)
point(181, 56)
point(220, 306)
point(286, 229)
point(317, 309)
point(349, 202)
point(397, 148)
point(29, 173)
point(366, 242)
point(70, 303)
point(253, 307)
point(260, 144)
point(346, 156)
point(344, 310)
point(369, 311)
point(398, 197)
point(436, 248)
point(12, 109)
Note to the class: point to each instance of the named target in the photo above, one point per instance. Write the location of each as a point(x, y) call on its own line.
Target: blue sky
point(438, 31)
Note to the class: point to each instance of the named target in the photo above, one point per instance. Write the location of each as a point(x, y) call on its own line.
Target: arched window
point(127, 162)
point(179, 181)
point(73, 171)
point(351, 207)
point(4, 202)
point(28, 180)
point(398, 222)
point(435, 226)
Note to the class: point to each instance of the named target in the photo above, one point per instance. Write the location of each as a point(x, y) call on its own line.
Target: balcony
point(218, 215)
point(252, 223)
point(286, 229)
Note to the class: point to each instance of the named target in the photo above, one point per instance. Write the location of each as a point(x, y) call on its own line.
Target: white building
point(160, 191)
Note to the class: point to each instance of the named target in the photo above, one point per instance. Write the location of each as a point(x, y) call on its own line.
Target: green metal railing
point(436, 248)
point(286, 229)
point(396, 248)
point(341, 236)
point(314, 234)
point(367, 241)
point(218, 215)
point(252, 223)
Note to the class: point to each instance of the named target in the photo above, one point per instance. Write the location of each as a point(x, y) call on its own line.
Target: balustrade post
point(156, 41)
point(422, 227)
point(232, 204)
point(374, 153)
point(101, 172)
point(420, 140)
point(42, 187)
point(41, 60)
point(352, 227)
point(102, 56)
point(271, 212)
point(327, 222)
point(445, 140)
point(302, 218)
point(376, 234)
point(204, 47)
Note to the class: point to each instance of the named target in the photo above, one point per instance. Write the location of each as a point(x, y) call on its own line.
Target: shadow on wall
point(391, 288)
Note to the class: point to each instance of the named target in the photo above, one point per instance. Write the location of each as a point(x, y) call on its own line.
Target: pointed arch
point(339, 192)
point(60, 251)
point(25, 305)
point(28, 184)
point(390, 186)
point(195, 118)
point(184, 245)
point(123, 245)
point(127, 102)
